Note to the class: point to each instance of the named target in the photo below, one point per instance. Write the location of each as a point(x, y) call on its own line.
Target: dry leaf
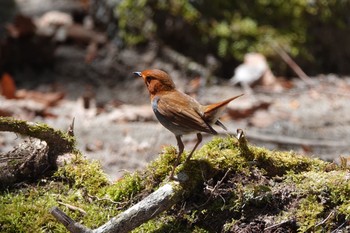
point(306, 149)
point(22, 26)
point(248, 111)
point(8, 86)
point(294, 104)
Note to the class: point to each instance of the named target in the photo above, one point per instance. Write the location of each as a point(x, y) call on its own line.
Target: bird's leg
point(181, 150)
point(199, 140)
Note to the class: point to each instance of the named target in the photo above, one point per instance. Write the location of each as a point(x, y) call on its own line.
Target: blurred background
point(68, 59)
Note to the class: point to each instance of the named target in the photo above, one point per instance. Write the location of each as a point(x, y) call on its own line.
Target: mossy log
point(35, 156)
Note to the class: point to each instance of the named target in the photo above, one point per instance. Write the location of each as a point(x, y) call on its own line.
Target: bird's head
point(156, 81)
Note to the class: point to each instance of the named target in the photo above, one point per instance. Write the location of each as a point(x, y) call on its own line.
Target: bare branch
point(295, 67)
point(157, 202)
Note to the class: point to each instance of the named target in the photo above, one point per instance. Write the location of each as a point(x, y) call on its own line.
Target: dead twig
point(70, 224)
point(215, 188)
point(103, 199)
point(70, 130)
point(185, 62)
point(287, 59)
point(277, 225)
point(326, 219)
point(72, 207)
point(340, 226)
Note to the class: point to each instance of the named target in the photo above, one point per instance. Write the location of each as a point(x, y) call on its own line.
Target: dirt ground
point(119, 129)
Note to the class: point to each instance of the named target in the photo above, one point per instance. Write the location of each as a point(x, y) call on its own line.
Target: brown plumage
point(180, 113)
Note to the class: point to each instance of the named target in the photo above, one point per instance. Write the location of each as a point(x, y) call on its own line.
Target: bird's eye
point(148, 80)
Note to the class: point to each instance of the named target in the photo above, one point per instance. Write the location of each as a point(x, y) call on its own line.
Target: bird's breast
point(154, 102)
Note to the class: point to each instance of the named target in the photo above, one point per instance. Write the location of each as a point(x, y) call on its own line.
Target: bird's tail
point(214, 107)
point(213, 111)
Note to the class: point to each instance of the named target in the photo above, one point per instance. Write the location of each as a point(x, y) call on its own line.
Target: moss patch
point(235, 190)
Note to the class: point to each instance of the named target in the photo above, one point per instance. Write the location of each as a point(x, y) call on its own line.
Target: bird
point(250, 72)
point(180, 113)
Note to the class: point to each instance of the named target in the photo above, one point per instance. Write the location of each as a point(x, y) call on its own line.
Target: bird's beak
point(138, 74)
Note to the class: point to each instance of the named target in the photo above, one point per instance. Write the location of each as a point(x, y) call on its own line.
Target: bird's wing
point(183, 111)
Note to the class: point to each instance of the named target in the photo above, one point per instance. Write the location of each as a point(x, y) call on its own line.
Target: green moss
point(309, 213)
point(160, 168)
point(125, 189)
point(18, 210)
point(74, 184)
point(278, 163)
point(29, 208)
point(231, 185)
point(222, 154)
point(318, 194)
point(81, 173)
point(163, 223)
point(345, 210)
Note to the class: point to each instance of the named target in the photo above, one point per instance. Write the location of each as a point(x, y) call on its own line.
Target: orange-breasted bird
point(180, 113)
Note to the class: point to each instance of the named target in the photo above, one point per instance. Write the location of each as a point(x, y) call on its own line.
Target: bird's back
point(180, 113)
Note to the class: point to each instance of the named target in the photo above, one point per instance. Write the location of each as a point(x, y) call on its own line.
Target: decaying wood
point(58, 142)
point(157, 202)
point(27, 161)
point(69, 223)
point(34, 157)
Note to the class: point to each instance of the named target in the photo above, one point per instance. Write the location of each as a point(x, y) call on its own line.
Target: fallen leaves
point(25, 104)
point(47, 99)
point(248, 110)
